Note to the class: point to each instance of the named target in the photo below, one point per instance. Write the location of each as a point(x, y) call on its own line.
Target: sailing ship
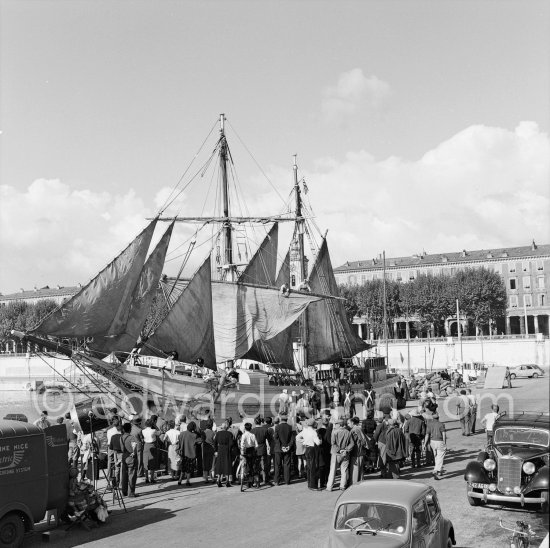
point(172, 342)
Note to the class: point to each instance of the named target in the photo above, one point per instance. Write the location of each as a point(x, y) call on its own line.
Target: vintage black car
point(514, 468)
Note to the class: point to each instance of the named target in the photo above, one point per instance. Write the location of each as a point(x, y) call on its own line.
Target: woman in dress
point(224, 443)
point(187, 447)
point(150, 451)
point(171, 440)
point(300, 452)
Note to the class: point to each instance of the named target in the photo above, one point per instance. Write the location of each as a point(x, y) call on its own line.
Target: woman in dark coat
point(223, 444)
point(207, 435)
point(187, 444)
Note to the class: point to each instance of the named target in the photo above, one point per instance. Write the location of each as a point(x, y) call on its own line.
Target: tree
point(349, 292)
point(22, 316)
point(481, 295)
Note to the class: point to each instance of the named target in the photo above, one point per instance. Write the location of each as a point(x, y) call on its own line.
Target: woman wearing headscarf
point(223, 446)
point(187, 443)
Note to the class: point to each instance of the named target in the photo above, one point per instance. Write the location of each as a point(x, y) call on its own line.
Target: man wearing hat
point(341, 446)
point(283, 450)
point(308, 436)
point(415, 430)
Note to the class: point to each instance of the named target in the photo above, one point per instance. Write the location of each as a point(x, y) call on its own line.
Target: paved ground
point(204, 515)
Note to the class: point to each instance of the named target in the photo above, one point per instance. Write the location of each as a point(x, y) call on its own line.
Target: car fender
point(476, 473)
point(540, 481)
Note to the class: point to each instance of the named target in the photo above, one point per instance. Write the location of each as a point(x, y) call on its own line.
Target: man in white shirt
point(488, 421)
point(248, 445)
point(463, 410)
point(308, 436)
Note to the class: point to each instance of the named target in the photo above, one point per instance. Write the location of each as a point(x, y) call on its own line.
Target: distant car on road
point(531, 371)
point(392, 514)
point(514, 468)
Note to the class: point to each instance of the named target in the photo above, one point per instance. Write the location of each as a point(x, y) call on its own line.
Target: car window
point(433, 505)
point(420, 516)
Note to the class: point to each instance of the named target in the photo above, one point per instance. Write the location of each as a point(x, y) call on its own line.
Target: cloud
point(352, 93)
point(51, 234)
point(483, 188)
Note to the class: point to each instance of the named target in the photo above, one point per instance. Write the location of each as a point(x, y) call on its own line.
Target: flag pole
point(458, 330)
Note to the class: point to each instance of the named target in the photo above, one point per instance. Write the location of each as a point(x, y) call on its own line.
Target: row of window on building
point(526, 282)
point(527, 300)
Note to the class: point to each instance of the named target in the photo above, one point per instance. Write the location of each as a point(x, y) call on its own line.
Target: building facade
point(58, 294)
point(525, 272)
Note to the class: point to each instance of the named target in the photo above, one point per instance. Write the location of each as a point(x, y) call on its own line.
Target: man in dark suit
point(263, 434)
point(283, 450)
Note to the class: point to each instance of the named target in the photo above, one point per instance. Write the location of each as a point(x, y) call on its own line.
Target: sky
point(419, 125)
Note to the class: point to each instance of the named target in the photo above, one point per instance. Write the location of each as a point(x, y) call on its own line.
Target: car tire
point(544, 505)
point(535, 375)
point(449, 543)
point(512, 376)
point(472, 501)
point(12, 530)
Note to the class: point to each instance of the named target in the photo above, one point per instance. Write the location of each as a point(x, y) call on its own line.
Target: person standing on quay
point(395, 448)
point(463, 410)
point(488, 422)
point(341, 446)
point(415, 429)
point(150, 451)
point(187, 448)
point(473, 410)
point(436, 437)
point(324, 433)
point(129, 465)
point(283, 450)
point(223, 446)
point(310, 440)
point(358, 451)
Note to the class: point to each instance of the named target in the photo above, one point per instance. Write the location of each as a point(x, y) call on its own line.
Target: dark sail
point(330, 335)
point(102, 306)
point(188, 326)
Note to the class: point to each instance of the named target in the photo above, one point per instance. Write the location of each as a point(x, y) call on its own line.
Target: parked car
point(16, 417)
point(531, 371)
point(514, 468)
point(392, 514)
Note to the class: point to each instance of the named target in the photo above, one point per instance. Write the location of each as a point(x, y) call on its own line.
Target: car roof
point(524, 419)
point(401, 492)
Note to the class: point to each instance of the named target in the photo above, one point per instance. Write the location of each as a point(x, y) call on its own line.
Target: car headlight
point(489, 465)
point(529, 468)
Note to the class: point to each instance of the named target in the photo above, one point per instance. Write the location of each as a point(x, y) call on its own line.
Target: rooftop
point(40, 293)
point(400, 492)
point(464, 256)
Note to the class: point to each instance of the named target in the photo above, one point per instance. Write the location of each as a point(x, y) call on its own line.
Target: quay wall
point(445, 353)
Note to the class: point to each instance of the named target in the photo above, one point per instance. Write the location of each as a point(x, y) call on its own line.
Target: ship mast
point(228, 269)
point(300, 266)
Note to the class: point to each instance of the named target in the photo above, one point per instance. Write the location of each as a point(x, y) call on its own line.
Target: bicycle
point(521, 534)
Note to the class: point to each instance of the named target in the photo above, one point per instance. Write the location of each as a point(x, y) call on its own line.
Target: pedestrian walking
point(436, 437)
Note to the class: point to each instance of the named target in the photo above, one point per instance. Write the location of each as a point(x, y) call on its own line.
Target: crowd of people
point(301, 441)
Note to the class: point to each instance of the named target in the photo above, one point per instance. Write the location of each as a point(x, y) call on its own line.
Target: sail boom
point(233, 220)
